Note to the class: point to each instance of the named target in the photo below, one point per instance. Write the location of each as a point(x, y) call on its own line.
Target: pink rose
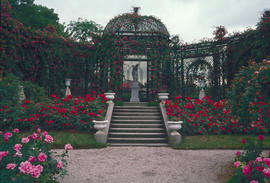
point(16, 130)
point(45, 133)
point(25, 140)
point(267, 161)
point(254, 181)
point(1, 132)
point(59, 164)
point(238, 153)
point(36, 170)
point(11, 166)
point(246, 170)
point(266, 172)
point(3, 154)
point(32, 159)
point(17, 147)
point(261, 137)
point(237, 164)
point(48, 139)
point(8, 135)
point(259, 168)
point(68, 147)
point(25, 167)
point(244, 141)
point(259, 159)
point(42, 157)
point(34, 136)
point(18, 153)
point(38, 130)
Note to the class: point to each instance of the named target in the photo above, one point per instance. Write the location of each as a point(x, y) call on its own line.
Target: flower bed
point(252, 166)
point(207, 117)
point(66, 113)
point(29, 159)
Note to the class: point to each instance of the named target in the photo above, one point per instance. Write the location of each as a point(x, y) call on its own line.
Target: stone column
point(135, 92)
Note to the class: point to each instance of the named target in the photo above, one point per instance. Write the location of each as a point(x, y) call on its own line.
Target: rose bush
point(65, 113)
point(30, 160)
point(207, 117)
point(251, 165)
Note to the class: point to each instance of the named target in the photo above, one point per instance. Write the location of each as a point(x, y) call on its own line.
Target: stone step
point(135, 103)
point(136, 117)
point(136, 121)
point(136, 110)
point(124, 125)
point(132, 113)
point(136, 107)
point(138, 130)
point(136, 135)
point(137, 140)
point(140, 144)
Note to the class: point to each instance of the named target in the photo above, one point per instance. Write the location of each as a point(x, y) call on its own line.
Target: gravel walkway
point(148, 165)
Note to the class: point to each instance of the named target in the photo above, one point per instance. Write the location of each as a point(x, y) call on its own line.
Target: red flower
point(244, 141)
point(261, 137)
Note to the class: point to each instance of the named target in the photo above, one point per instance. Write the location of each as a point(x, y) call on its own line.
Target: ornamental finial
point(136, 9)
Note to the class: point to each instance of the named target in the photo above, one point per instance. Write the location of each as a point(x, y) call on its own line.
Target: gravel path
point(148, 165)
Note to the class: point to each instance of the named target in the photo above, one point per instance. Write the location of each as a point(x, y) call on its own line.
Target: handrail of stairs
point(101, 135)
point(173, 137)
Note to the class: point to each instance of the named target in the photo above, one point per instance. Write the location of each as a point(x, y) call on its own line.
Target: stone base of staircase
point(136, 124)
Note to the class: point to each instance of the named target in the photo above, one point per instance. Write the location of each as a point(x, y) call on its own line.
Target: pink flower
point(25, 140)
point(48, 139)
point(3, 154)
point(36, 170)
point(238, 153)
point(25, 167)
point(259, 159)
point(267, 161)
point(17, 147)
point(266, 172)
point(16, 130)
point(244, 141)
point(32, 159)
point(45, 133)
point(259, 168)
point(68, 147)
point(1, 132)
point(8, 135)
point(42, 157)
point(254, 181)
point(261, 137)
point(34, 136)
point(11, 166)
point(59, 164)
point(246, 170)
point(237, 164)
point(18, 153)
point(38, 130)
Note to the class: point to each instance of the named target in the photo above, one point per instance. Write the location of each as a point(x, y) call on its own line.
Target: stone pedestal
point(202, 94)
point(135, 92)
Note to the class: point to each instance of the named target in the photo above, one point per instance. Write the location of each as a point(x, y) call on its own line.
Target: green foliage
point(9, 91)
point(250, 95)
point(34, 92)
point(83, 30)
point(35, 16)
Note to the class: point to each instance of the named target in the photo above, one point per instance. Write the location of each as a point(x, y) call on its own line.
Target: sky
point(191, 20)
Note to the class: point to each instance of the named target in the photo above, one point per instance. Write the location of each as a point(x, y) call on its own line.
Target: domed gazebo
point(133, 23)
point(142, 43)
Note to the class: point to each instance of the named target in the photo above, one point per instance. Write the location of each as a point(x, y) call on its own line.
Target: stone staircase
point(136, 124)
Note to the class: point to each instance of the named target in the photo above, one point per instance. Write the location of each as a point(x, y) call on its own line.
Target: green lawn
point(78, 140)
point(218, 142)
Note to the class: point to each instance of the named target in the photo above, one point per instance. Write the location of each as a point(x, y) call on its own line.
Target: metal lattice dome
point(135, 23)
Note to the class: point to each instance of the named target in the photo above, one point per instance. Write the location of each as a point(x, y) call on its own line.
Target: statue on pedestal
point(135, 85)
point(135, 72)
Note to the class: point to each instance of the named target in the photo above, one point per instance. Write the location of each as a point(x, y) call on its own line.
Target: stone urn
point(163, 97)
point(110, 97)
point(100, 125)
point(174, 126)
